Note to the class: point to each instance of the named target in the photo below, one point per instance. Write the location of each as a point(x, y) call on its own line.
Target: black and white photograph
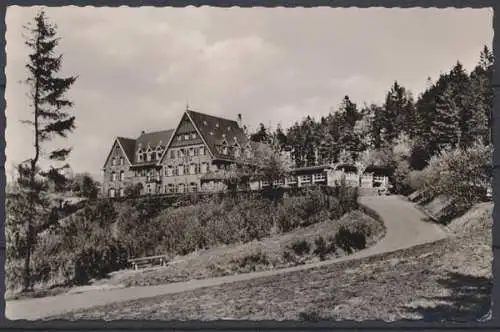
point(280, 164)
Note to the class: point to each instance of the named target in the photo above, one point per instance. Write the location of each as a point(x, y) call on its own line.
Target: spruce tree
point(445, 127)
point(49, 120)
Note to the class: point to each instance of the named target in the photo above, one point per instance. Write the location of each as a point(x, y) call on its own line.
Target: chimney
point(142, 132)
point(239, 120)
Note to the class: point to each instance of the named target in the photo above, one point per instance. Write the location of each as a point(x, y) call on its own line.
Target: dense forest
point(453, 112)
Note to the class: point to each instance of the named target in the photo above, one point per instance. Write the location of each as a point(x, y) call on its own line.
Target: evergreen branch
point(60, 128)
point(59, 154)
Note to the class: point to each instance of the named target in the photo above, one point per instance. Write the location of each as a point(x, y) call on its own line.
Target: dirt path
point(405, 228)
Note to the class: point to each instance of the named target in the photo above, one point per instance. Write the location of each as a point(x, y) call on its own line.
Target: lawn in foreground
point(449, 279)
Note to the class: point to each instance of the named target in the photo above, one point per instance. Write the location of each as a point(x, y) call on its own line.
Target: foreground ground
point(445, 280)
point(254, 295)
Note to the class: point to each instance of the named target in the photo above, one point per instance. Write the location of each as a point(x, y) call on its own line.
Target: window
point(186, 169)
point(193, 187)
point(193, 135)
point(279, 182)
point(113, 162)
point(180, 188)
point(179, 138)
point(180, 170)
point(191, 152)
point(170, 188)
point(122, 192)
point(265, 183)
point(292, 179)
point(148, 155)
point(236, 151)
point(204, 168)
point(224, 149)
point(122, 175)
point(158, 155)
point(186, 137)
point(192, 169)
point(148, 189)
point(121, 161)
point(319, 177)
point(202, 150)
point(172, 154)
point(112, 193)
point(248, 153)
point(169, 171)
point(305, 178)
point(113, 176)
point(181, 153)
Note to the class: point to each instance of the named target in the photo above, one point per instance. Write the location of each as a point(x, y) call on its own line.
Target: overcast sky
point(138, 68)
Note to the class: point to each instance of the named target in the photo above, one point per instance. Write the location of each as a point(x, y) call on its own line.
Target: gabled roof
point(215, 130)
point(128, 146)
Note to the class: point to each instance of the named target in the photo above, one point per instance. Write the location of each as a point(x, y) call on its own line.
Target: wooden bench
point(142, 262)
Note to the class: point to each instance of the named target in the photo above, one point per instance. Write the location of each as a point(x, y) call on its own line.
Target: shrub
point(300, 247)
point(350, 240)
point(321, 248)
point(460, 174)
point(251, 262)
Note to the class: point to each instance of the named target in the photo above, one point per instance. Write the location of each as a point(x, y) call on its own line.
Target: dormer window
point(225, 149)
point(186, 137)
point(193, 136)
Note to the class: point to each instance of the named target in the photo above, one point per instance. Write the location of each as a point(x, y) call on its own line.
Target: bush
point(459, 174)
point(300, 247)
point(350, 240)
point(251, 262)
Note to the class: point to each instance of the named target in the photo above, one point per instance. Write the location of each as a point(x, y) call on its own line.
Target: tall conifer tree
point(50, 119)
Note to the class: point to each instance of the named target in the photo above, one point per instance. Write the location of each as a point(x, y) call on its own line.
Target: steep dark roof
point(308, 169)
point(128, 145)
point(379, 170)
point(215, 130)
point(347, 168)
point(154, 138)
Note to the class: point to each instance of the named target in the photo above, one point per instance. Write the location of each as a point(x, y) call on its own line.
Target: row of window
point(191, 169)
point(191, 152)
point(186, 169)
point(114, 176)
point(187, 137)
point(234, 151)
point(117, 161)
point(304, 179)
point(112, 192)
point(149, 156)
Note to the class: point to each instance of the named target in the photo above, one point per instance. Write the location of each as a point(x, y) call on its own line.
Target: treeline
point(453, 112)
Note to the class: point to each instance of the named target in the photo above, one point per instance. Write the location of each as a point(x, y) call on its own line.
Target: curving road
point(405, 228)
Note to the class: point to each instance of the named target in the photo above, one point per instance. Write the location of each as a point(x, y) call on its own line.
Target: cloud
point(139, 67)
